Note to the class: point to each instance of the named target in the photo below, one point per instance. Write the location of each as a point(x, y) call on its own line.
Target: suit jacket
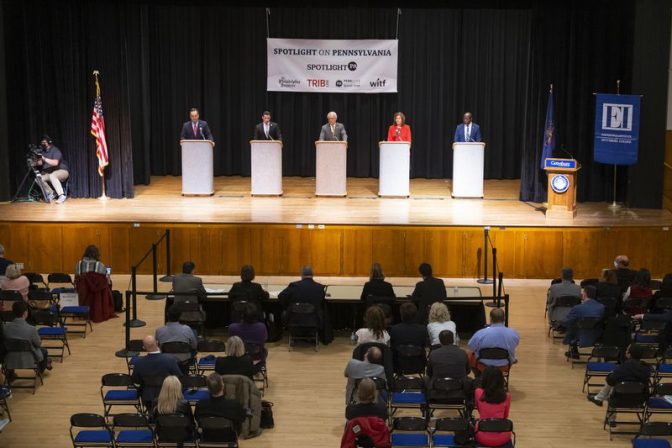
point(250, 292)
point(378, 288)
point(562, 289)
point(404, 134)
point(20, 329)
point(426, 292)
point(475, 133)
point(448, 361)
point(273, 132)
point(188, 283)
point(339, 133)
point(306, 290)
point(408, 334)
point(585, 338)
point(202, 133)
point(153, 365)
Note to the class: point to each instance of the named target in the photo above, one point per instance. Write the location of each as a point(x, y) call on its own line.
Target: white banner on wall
point(346, 66)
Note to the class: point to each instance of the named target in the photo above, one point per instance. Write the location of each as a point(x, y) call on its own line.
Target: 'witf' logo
point(617, 117)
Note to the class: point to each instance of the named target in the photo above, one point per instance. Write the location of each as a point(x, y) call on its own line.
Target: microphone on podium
point(200, 128)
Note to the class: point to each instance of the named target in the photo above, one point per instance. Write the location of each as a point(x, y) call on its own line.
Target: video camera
point(33, 155)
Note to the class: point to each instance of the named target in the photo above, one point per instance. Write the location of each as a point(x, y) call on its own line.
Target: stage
point(430, 204)
point(337, 236)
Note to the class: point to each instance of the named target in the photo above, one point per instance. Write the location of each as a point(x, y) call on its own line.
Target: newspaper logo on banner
point(353, 66)
point(617, 117)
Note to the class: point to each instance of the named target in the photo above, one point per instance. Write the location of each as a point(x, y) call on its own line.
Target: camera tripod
point(36, 190)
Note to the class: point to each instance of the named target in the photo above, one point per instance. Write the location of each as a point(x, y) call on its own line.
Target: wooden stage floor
point(430, 204)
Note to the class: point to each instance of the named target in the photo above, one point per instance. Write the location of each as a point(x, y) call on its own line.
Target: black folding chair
point(626, 398)
point(50, 329)
point(496, 354)
point(183, 352)
point(133, 431)
point(174, 431)
point(409, 360)
point(217, 432)
point(447, 394)
point(89, 430)
point(497, 425)
point(22, 346)
point(303, 324)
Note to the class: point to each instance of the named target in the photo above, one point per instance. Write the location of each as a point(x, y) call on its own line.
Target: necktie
point(195, 130)
point(468, 133)
point(266, 129)
point(333, 131)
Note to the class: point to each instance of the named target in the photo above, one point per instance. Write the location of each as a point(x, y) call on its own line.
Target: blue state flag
point(548, 145)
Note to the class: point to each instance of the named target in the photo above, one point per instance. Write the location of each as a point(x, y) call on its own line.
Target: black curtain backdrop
point(159, 59)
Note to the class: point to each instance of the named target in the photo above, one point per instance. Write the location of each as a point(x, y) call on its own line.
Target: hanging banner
point(346, 66)
point(616, 129)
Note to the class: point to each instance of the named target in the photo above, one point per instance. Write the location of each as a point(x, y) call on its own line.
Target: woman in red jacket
point(492, 401)
point(399, 131)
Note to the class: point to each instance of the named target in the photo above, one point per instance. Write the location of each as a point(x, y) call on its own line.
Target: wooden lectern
point(561, 188)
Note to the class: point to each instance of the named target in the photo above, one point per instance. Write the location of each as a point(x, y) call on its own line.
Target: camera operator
point(53, 169)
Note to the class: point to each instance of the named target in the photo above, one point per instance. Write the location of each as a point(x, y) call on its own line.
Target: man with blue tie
point(467, 131)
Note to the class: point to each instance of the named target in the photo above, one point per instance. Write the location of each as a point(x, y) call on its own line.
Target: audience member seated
point(4, 262)
point(151, 368)
point(187, 282)
point(14, 281)
point(377, 286)
point(250, 330)
point(623, 272)
point(375, 330)
point(427, 291)
point(565, 288)
point(447, 361)
point(496, 335)
point(90, 262)
point(171, 400)
point(492, 401)
point(368, 368)
point(633, 370)
point(408, 332)
point(608, 286)
point(577, 337)
point(174, 331)
point(217, 405)
point(93, 286)
point(367, 404)
point(639, 294)
point(439, 320)
point(20, 329)
point(305, 290)
point(248, 290)
point(665, 291)
point(236, 362)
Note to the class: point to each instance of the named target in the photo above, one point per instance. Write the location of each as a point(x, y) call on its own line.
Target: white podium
point(266, 158)
point(468, 163)
point(197, 167)
point(395, 165)
point(331, 167)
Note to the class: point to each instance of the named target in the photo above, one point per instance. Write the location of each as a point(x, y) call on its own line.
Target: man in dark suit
point(305, 290)
point(333, 131)
point(575, 336)
point(195, 129)
point(217, 405)
point(248, 290)
point(427, 291)
point(187, 282)
point(150, 370)
point(624, 274)
point(408, 332)
point(267, 130)
point(447, 361)
point(467, 131)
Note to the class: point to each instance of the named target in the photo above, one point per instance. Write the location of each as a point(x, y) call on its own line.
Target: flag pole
point(614, 205)
point(104, 196)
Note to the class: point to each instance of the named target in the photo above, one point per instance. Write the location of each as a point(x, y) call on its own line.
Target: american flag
point(98, 131)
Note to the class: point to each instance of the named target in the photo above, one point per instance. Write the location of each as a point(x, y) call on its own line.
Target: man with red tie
point(195, 129)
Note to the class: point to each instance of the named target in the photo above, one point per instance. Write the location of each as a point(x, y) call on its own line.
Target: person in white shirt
point(439, 320)
point(375, 330)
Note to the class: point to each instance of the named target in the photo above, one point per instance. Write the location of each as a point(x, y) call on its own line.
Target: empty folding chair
point(8, 297)
point(258, 354)
point(217, 432)
point(88, 430)
point(133, 430)
point(79, 315)
point(649, 331)
point(192, 315)
point(496, 425)
point(173, 431)
point(40, 299)
point(626, 398)
point(447, 394)
point(118, 389)
point(410, 432)
point(408, 393)
point(450, 432)
point(657, 404)
point(651, 435)
point(54, 336)
point(36, 281)
point(182, 351)
point(664, 367)
point(20, 356)
point(302, 323)
point(206, 362)
point(60, 280)
point(601, 362)
point(194, 388)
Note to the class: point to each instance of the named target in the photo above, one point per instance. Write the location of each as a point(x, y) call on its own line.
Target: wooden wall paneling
point(538, 253)
point(75, 238)
point(444, 251)
point(416, 244)
point(115, 247)
point(45, 243)
point(357, 250)
point(325, 248)
point(583, 251)
point(646, 249)
point(141, 240)
point(505, 241)
point(472, 241)
point(388, 246)
point(14, 237)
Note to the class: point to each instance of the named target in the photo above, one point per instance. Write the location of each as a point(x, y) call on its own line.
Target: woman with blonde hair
point(236, 361)
point(439, 320)
point(375, 329)
point(171, 401)
point(367, 404)
point(14, 281)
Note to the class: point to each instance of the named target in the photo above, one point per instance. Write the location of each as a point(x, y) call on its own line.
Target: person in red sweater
point(492, 401)
point(399, 131)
